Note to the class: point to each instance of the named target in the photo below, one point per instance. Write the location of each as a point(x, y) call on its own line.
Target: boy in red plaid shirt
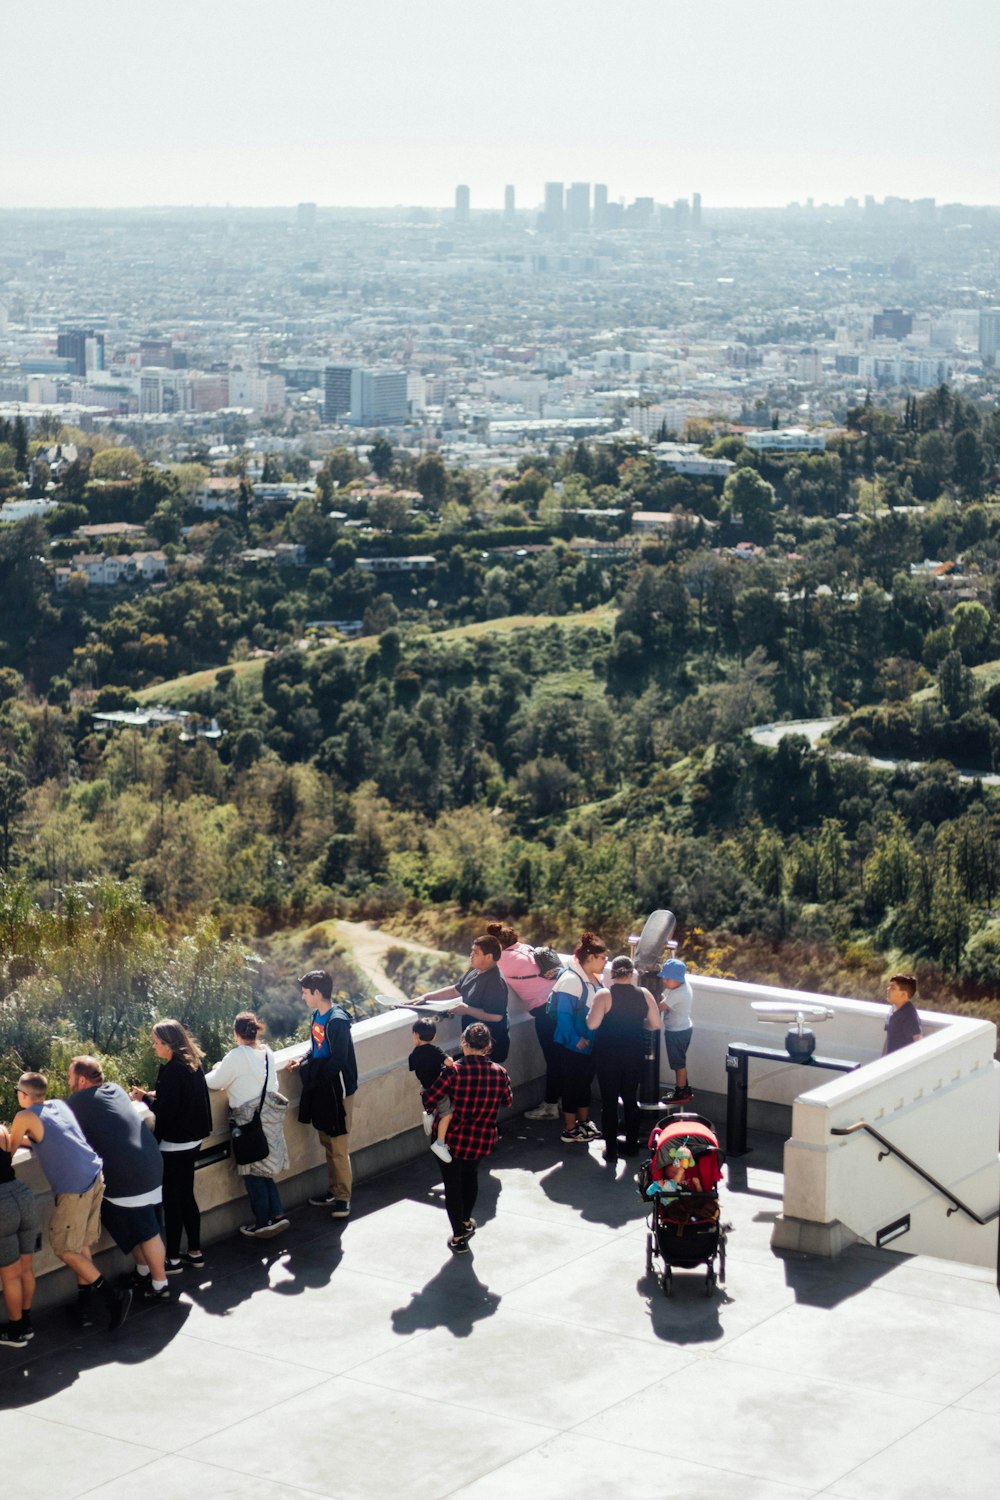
point(478, 1089)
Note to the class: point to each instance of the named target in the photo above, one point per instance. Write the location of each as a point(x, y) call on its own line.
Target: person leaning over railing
point(18, 1232)
point(482, 992)
point(73, 1169)
point(183, 1115)
point(249, 1076)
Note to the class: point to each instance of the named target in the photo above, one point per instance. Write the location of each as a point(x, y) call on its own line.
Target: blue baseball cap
point(674, 968)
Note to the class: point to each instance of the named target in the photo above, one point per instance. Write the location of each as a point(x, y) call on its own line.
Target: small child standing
point(428, 1061)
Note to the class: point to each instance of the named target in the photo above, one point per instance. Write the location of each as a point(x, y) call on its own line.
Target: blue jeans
point(264, 1200)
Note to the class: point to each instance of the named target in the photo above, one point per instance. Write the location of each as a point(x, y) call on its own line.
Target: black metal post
point(738, 1086)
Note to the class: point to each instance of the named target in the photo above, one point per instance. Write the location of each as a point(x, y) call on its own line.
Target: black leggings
point(618, 1077)
point(461, 1188)
point(180, 1210)
point(545, 1031)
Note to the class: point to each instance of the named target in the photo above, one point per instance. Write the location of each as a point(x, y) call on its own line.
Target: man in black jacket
point(329, 1083)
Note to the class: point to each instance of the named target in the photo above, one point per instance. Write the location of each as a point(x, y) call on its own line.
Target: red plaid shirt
point(477, 1089)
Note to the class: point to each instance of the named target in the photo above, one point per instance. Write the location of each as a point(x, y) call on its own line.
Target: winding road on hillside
point(368, 947)
point(814, 729)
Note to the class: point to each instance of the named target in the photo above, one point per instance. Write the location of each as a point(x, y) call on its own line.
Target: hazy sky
point(395, 101)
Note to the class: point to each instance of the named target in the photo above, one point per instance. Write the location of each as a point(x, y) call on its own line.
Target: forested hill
point(546, 720)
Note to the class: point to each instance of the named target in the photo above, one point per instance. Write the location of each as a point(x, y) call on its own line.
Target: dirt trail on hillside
point(368, 946)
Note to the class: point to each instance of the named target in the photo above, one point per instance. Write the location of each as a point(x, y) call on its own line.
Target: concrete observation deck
point(360, 1359)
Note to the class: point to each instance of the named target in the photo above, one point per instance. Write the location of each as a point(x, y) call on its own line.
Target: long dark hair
point(181, 1043)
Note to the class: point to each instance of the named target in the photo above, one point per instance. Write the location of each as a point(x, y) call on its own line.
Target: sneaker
point(138, 1282)
point(325, 1200)
point(470, 1228)
point(156, 1294)
point(590, 1131)
point(273, 1226)
point(574, 1136)
point(341, 1209)
point(174, 1267)
point(195, 1260)
point(458, 1244)
point(543, 1112)
point(685, 1093)
point(83, 1312)
point(12, 1337)
point(119, 1306)
point(441, 1150)
point(428, 1122)
point(26, 1329)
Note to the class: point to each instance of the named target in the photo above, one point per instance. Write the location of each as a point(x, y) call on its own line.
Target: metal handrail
point(939, 1187)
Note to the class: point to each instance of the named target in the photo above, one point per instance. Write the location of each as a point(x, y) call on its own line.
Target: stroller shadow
point(454, 1298)
point(688, 1316)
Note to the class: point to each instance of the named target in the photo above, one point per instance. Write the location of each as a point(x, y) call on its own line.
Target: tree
point(389, 512)
point(380, 456)
point(13, 797)
point(432, 478)
point(748, 495)
point(116, 463)
point(970, 628)
point(969, 464)
point(955, 685)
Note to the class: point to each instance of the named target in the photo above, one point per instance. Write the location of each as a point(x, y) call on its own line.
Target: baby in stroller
point(680, 1186)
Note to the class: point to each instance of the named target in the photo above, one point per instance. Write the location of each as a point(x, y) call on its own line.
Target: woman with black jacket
point(183, 1114)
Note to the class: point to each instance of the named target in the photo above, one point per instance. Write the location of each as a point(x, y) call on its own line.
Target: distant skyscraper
point(600, 205)
point(378, 396)
point(578, 205)
point(84, 347)
point(336, 392)
point(508, 204)
point(305, 215)
point(462, 201)
point(695, 210)
point(682, 213)
point(554, 200)
point(989, 332)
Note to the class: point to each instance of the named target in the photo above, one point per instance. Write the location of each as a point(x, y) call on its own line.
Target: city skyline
point(234, 104)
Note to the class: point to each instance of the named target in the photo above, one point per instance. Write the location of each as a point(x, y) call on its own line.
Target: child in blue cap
point(675, 1008)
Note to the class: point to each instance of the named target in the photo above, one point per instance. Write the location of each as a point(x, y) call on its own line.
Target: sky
point(339, 102)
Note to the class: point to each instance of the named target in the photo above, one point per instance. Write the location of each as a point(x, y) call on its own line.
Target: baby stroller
point(679, 1186)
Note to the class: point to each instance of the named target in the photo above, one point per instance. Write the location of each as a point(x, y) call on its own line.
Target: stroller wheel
point(649, 1253)
point(710, 1283)
point(667, 1284)
point(722, 1261)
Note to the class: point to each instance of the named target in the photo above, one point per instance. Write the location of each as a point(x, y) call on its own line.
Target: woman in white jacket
point(245, 1073)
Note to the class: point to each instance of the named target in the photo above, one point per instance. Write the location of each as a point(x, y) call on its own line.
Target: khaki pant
point(338, 1159)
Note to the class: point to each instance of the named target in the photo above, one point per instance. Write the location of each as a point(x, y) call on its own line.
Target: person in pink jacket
point(530, 973)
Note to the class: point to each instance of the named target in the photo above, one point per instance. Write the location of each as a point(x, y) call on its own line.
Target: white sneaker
point(543, 1112)
point(428, 1122)
point(440, 1149)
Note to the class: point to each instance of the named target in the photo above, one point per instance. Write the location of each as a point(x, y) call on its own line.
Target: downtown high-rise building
point(378, 396)
point(83, 347)
point(336, 391)
point(578, 206)
point(600, 205)
point(989, 332)
point(463, 201)
point(553, 213)
point(695, 210)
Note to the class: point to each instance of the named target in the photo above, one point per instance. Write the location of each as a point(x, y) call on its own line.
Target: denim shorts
point(18, 1222)
point(677, 1043)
